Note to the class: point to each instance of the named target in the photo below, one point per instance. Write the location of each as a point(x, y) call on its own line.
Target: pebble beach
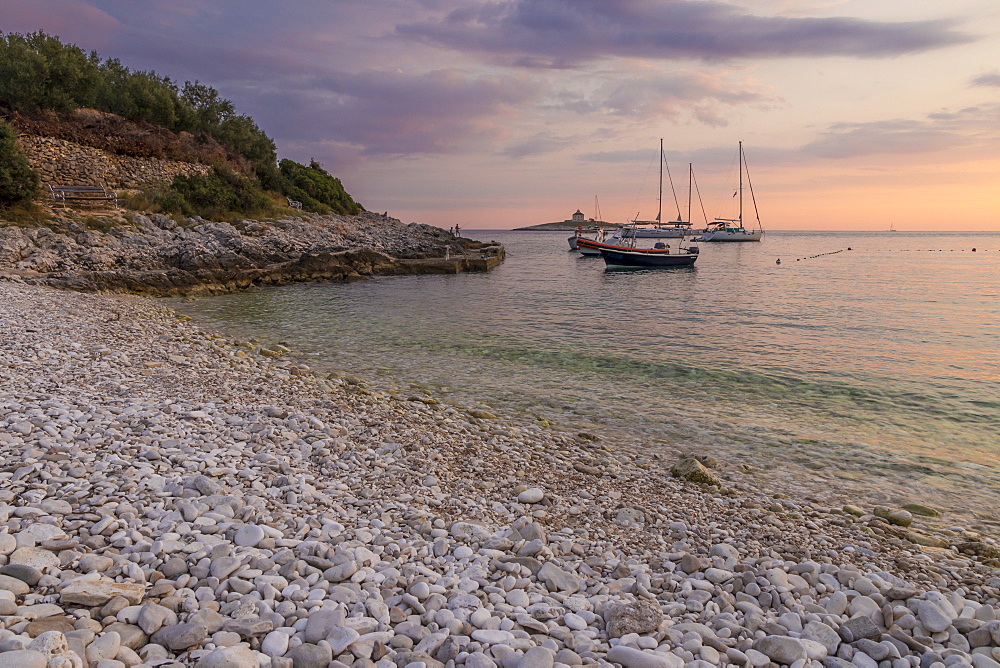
point(173, 497)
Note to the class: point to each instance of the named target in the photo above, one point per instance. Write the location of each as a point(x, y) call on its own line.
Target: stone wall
point(59, 162)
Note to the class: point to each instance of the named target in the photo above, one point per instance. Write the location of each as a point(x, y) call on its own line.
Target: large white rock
point(531, 495)
point(35, 557)
point(631, 657)
point(95, 589)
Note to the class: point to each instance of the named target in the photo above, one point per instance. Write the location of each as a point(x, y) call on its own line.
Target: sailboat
point(623, 253)
point(731, 229)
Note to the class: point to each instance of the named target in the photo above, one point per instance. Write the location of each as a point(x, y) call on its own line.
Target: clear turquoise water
point(865, 375)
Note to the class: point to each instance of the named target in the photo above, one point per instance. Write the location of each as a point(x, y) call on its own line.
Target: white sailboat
point(732, 229)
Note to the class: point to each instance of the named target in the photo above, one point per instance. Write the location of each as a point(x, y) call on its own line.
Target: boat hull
point(622, 258)
point(729, 235)
point(591, 247)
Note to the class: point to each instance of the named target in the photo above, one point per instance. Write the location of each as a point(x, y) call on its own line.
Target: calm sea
point(864, 367)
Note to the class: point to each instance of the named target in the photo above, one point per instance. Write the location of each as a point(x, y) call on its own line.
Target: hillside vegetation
point(46, 86)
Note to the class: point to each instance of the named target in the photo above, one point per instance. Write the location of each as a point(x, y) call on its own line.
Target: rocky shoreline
point(171, 497)
point(155, 256)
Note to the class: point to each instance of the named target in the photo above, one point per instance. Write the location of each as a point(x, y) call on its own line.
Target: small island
point(576, 221)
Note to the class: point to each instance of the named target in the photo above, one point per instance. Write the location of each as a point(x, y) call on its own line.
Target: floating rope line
point(798, 259)
point(936, 250)
point(904, 250)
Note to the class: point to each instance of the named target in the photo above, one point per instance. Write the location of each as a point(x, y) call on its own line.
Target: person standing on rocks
point(458, 233)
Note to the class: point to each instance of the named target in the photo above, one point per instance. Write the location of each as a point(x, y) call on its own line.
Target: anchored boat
point(623, 253)
point(732, 229)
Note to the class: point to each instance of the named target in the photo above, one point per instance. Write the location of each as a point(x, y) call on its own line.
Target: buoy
point(973, 250)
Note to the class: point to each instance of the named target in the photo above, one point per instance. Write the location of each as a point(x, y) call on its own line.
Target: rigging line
point(670, 178)
point(700, 202)
point(753, 199)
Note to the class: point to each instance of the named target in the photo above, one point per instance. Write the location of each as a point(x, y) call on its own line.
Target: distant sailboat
point(731, 229)
point(892, 227)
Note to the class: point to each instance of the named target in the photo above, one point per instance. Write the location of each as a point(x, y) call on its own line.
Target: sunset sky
point(854, 113)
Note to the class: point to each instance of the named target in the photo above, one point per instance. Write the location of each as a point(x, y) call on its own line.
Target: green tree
point(208, 109)
point(142, 96)
point(38, 71)
point(18, 183)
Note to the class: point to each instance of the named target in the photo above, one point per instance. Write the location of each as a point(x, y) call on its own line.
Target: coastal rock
point(781, 649)
point(638, 616)
point(692, 470)
point(180, 636)
point(631, 657)
point(558, 580)
point(896, 516)
point(229, 657)
point(23, 658)
point(34, 557)
point(308, 655)
point(922, 510)
point(531, 495)
point(823, 634)
point(935, 613)
point(14, 585)
point(859, 627)
point(95, 589)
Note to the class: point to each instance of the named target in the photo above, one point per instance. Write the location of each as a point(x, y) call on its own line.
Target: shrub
point(18, 183)
point(220, 195)
point(316, 189)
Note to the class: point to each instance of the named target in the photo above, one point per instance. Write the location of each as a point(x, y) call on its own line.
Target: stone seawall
point(62, 162)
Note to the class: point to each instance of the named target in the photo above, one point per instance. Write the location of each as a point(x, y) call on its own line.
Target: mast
point(690, 178)
point(659, 212)
point(741, 183)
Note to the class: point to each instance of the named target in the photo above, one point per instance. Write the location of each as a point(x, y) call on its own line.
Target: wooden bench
point(295, 204)
point(82, 194)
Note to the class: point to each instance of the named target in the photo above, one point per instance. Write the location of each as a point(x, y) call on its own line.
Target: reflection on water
point(867, 372)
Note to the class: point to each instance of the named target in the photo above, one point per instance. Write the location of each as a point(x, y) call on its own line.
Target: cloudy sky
point(855, 114)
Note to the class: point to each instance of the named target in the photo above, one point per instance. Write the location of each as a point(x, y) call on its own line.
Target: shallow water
point(864, 375)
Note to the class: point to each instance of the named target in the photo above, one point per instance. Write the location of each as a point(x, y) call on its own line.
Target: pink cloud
point(70, 20)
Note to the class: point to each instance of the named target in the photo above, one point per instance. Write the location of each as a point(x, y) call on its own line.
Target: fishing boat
point(732, 229)
point(593, 230)
point(583, 244)
point(623, 252)
point(582, 233)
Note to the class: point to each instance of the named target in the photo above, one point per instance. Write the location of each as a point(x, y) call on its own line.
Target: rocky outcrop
point(154, 255)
